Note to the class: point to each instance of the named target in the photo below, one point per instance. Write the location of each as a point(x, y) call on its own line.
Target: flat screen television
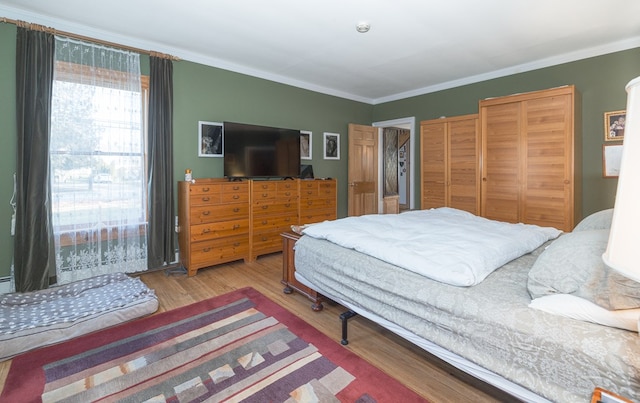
point(252, 151)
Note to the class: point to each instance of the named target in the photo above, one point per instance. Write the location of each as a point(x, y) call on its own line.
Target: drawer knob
point(236, 197)
point(205, 189)
point(235, 210)
point(265, 207)
point(206, 250)
point(235, 227)
point(206, 231)
point(206, 199)
point(236, 187)
point(236, 244)
point(206, 212)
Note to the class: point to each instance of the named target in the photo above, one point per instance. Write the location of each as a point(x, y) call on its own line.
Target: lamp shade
point(623, 249)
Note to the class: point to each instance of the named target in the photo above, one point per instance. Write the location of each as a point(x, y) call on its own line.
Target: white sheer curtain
point(97, 161)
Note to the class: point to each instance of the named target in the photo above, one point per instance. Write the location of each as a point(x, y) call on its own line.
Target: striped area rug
point(237, 347)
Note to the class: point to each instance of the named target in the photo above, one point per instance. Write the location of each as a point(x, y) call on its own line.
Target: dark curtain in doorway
point(33, 245)
point(161, 249)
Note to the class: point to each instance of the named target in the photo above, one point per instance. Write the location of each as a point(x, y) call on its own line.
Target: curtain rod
point(54, 31)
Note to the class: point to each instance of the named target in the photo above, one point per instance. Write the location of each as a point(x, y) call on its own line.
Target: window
point(97, 163)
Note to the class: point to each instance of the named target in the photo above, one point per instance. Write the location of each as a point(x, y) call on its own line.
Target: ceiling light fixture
point(363, 27)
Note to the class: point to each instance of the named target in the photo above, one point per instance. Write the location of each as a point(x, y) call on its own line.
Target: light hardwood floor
point(412, 366)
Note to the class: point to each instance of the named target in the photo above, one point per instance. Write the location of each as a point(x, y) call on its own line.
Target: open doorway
point(405, 160)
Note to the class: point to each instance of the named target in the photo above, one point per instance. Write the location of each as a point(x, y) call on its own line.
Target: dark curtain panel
point(33, 244)
point(161, 248)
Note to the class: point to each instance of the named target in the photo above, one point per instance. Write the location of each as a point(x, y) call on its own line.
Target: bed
point(540, 327)
point(41, 318)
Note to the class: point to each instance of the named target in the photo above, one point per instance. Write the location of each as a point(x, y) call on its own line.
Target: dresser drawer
point(278, 222)
point(235, 187)
point(204, 199)
point(266, 243)
point(234, 197)
point(273, 208)
point(207, 214)
point(264, 186)
point(216, 230)
point(317, 203)
point(318, 215)
point(309, 192)
point(308, 184)
point(208, 253)
point(288, 195)
point(327, 191)
point(205, 188)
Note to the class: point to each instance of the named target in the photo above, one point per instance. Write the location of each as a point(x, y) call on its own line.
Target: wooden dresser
point(214, 222)
point(221, 221)
point(317, 200)
point(274, 209)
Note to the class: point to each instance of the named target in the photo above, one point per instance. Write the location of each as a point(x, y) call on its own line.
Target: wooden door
point(433, 138)
point(363, 170)
point(500, 186)
point(547, 196)
point(463, 164)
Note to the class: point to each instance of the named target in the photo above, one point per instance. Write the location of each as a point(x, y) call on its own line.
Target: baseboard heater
point(5, 285)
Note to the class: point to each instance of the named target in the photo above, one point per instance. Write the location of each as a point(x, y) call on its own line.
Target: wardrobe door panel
point(501, 161)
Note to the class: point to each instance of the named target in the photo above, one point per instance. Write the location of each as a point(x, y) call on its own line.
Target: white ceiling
point(413, 47)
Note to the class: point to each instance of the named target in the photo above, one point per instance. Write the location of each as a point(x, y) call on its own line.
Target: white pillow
point(578, 308)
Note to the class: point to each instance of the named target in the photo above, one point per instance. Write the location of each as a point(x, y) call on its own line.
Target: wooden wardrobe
point(450, 163)
point(518, 160)
point(530, 168)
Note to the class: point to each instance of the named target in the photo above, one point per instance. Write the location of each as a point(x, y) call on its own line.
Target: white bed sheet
point(445, 244)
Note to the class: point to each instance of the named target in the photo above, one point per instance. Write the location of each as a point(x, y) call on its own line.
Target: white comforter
point(444, 244)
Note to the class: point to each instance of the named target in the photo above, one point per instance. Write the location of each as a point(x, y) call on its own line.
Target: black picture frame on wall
point(210, 139)
point(331, 146)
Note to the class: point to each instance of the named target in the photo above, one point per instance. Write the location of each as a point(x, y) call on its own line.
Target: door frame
point(403, 123)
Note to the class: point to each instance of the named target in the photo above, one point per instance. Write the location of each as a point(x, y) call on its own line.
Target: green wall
point(600, 82)
point(214, 95)
point(8, 140)
point(210, 94)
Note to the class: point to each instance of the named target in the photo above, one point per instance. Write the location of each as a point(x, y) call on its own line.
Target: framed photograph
point(306, 145)
point(210, 139)
point(614, 125)
point(331, 146)
point(611, 156)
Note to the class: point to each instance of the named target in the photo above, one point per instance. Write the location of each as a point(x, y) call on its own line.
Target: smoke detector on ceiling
point(363, 27)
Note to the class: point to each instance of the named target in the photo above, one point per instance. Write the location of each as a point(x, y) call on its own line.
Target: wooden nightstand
point(288, 270)
point(604, 396)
